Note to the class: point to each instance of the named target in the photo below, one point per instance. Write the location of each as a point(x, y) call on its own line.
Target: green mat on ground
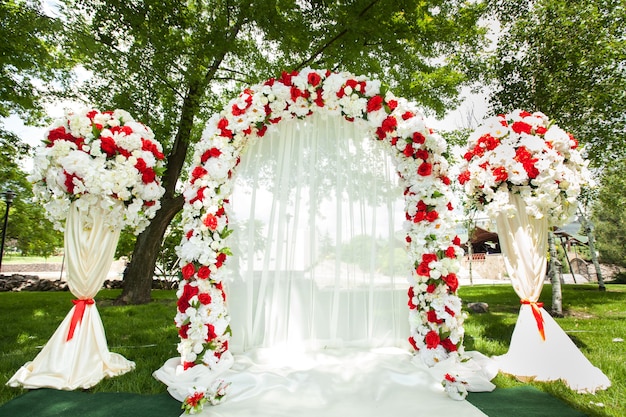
point(510, 402)
point(524, 401)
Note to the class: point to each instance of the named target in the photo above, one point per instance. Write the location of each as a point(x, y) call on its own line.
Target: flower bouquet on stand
point(96, 173)
point(526, 172)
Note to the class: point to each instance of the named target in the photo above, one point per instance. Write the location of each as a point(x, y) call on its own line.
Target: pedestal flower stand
point(77, 356)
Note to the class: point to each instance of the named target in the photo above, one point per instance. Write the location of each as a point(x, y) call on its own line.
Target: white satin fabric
point(334, 383)
point(84, 360)
point(524, 240)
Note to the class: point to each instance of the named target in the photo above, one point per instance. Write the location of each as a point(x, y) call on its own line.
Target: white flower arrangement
point(103, 159)
point(433, 247)
point(525, 154)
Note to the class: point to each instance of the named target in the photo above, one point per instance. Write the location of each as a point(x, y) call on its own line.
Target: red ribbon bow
point(77, 317)
point(538, 317)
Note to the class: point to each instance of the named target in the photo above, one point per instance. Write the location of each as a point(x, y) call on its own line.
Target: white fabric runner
point(523, 240)
point(84, 360)
point(332, 383)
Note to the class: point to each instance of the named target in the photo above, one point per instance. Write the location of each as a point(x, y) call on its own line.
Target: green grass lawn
point(147, 335)
point(20, 260)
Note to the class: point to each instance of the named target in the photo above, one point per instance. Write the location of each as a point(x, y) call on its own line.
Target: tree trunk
point(555, 278)
point(139, 273)
point(592, 250)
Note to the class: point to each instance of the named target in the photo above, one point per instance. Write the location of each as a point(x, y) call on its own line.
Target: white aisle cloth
point(333, 383)
point(84, 360)
point(523, 240)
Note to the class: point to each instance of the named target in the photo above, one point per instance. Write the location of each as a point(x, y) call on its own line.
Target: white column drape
point(539, 350)
point(77, 356)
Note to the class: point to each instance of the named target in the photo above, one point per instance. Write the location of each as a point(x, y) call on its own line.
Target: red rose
point(431, 288)
point(500, 174)
point(182, 332)
point(188, 270)
point(204, 272)
point(314, 79)
point(412, 342)
point(374, 103)
point(148, 145)
point(197, 172)
point(448, 345)
point(188, 292)
point(211, 333)
point(431, 216)
point(210, 153)
point(148, 175)
point(452, 281)
point(464, 177)
point(431, 316)
point(530, 168)
point(432, 339)
point(421, 154)
point(389, 124)
point(456, 241)
point(429, 257)
point(521, 127)
point(392, 104)
point(411, 294)
point(423, 270)
point(69, 182)
point(108, 146)
point(210, 221)
point(425, 169)
point(407, 115)
point(450, 252)
point(220, 260)
point(418, 138)
point(408, 150)
point(204, 298)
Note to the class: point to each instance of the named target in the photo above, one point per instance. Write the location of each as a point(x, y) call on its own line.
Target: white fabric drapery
point(319, 258)
point(532, 355)
point(318, 285)
point(77, 356)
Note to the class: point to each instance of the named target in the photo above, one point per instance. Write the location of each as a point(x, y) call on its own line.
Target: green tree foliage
point(28, 230)
point(32, 69)
point(32, 66)
point(609, 215)
point(566, 59)
point(172, 64)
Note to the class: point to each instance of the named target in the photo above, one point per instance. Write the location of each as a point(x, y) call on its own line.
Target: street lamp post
point(9, 195)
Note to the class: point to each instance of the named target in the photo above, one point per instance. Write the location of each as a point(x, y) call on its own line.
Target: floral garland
point(198, 397)
point(526, 154)
point(99, 159)
point(433, 247)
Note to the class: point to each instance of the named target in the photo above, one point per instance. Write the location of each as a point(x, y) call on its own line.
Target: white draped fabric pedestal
point(554, 356)
point(317, 288)
point(77, 355)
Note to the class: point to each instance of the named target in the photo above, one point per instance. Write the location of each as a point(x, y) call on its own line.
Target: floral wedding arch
point(436, 324)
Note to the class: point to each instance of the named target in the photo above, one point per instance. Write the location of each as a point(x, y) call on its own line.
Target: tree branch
point(334, 39)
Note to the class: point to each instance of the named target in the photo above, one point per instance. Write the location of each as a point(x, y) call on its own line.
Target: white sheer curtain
point(539, 348)
point(77, 356)
point(319, 258)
